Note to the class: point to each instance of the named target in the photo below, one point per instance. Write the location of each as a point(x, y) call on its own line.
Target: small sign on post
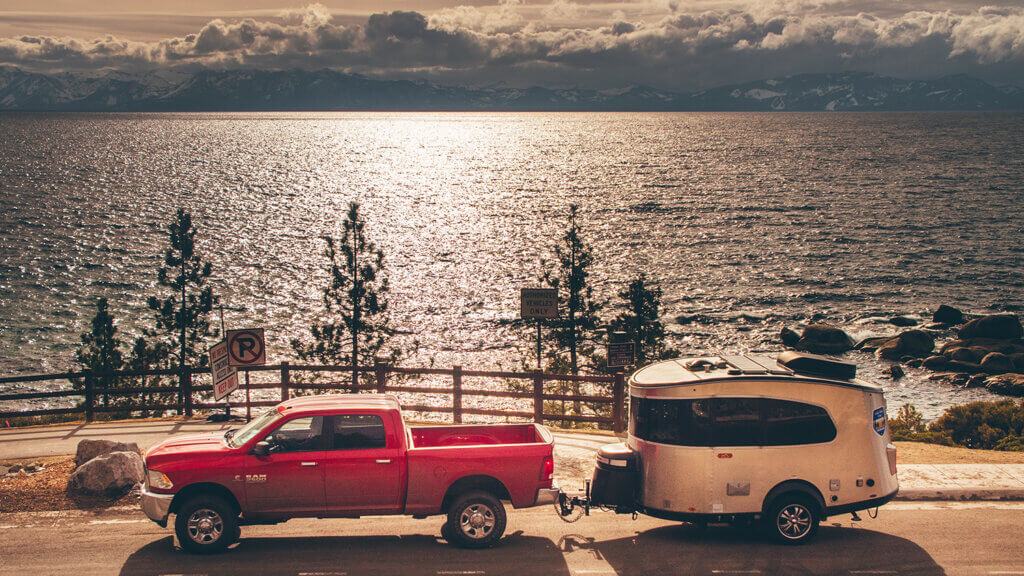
point(225, 377)
point(246, 347)
point(538, 303)
point(620, 354)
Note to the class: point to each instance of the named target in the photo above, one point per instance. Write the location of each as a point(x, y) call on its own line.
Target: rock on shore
point(108, 474)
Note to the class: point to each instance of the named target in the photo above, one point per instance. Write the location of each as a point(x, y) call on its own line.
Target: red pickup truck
point(346, 456)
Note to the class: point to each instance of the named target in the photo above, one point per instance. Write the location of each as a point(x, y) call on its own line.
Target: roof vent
point(815, 365)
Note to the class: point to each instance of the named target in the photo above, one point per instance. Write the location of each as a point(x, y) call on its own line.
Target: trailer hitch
point(572, 508)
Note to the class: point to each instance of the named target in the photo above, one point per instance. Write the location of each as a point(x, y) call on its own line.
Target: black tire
point(475, 520)
point(792, 519)
point(206, 525)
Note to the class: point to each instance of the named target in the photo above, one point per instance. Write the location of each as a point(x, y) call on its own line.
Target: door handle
point(384, 461)
point(307, 464)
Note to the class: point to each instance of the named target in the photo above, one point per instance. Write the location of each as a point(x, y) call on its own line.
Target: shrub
point(986, 425)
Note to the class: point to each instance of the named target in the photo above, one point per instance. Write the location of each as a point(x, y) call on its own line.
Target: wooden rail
point(96, 398)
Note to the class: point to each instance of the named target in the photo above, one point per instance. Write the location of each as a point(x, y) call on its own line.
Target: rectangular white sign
point(225, 377)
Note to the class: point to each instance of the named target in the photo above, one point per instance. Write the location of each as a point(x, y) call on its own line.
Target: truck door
point(363, 466)
point(290, 479)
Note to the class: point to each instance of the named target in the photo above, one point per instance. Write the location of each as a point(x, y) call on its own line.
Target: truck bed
point(485, 435)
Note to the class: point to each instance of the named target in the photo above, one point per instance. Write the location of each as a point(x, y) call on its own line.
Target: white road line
point(873, 572)
point(323, 573)
point(735, 571)
point(118, 521)
point(459, 572)
point(948, 505)
point(1006, 572)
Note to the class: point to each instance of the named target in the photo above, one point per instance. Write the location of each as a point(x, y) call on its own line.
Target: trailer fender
point(795, 486)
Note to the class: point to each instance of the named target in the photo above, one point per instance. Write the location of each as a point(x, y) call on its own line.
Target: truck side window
point(358, 431)
point(789, 423)
point(298, 435)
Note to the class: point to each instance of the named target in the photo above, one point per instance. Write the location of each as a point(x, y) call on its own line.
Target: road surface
point(908, 538)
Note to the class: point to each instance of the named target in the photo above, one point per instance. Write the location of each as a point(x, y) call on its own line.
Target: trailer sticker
point(880, 421)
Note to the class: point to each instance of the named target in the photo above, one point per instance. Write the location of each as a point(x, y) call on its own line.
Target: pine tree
point(574, 331)
point(356, 325)
point(182, 322)
point(100, 350)
point(641, 322)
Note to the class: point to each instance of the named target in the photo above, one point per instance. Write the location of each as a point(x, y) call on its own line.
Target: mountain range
point(324, 90)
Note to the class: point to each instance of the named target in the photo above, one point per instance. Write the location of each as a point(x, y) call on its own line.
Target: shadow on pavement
point(686, 549)
point(354, 556)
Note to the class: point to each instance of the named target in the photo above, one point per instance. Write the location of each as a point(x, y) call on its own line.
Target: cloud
point(660, 44)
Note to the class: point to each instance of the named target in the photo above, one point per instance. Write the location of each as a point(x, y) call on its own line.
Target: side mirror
point(261, 448)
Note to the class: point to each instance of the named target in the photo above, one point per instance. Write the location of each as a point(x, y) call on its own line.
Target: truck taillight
point(548, 469)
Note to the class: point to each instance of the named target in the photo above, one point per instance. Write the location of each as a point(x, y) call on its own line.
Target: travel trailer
point(786, 442)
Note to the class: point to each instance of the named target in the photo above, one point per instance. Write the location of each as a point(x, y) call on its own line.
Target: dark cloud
point(678, 50)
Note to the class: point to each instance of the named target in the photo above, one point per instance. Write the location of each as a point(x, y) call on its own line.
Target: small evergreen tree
point(100, 350)
point(182, 324)
point(574, 331)
point(641, 322)
point(357, 325)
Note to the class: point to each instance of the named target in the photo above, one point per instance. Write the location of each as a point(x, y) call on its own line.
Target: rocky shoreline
point(985, 351)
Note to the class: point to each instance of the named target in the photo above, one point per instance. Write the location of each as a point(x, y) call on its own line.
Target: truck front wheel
point(475, 520)
point(206, 525)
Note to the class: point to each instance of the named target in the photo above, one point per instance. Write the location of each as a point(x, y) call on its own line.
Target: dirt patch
point(921, 453)
point(47, 490)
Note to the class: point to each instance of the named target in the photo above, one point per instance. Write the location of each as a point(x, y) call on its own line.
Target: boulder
point(936, 362)
point(1018, 361)
point(903, 321)
point(915, 363)
point(1006, 384)
point(961, 355)
point(789, 336)
point(948, 315)
point(824, 339)
point(996, 363)
point(4, 470)
point(89, 449)
point(976, 381)
point(996, 326)
point(915, 343)
point(872, 344)
point(895, 372)
point(937, 326)
point(107, 475)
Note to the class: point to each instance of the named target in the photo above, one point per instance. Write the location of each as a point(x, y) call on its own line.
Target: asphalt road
point(906, 538)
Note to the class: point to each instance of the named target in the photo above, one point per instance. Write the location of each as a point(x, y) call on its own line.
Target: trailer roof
point(709, 369)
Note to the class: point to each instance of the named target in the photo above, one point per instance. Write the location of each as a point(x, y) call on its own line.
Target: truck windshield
point(247, 432)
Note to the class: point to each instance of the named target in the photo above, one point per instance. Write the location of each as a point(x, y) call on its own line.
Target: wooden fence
point(96, 397)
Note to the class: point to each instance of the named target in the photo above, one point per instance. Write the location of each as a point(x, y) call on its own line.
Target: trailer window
point(788, 423)
point(737, 422)
point(729, 422)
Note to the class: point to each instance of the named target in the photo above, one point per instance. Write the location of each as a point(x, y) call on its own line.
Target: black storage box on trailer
point(615, 478)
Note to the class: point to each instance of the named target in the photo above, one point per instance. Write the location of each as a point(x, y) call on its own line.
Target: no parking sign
point(246, 347)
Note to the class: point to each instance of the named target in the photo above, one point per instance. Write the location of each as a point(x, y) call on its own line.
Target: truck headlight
point(159, 480)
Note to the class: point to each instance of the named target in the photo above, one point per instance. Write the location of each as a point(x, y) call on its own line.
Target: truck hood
point(188, 446)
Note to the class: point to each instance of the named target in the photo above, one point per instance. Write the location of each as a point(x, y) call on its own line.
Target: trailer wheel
point(475, 520)
point(792, 519)
point(206, 525)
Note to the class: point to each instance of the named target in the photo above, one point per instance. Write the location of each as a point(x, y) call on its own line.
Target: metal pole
point(248, 403)
point(538, 345)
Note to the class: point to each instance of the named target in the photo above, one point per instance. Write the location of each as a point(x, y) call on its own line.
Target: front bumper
point(156, 506)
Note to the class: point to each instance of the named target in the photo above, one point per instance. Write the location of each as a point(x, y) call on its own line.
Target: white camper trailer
point(730, 438)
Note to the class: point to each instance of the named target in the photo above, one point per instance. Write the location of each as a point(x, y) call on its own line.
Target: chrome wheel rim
point(477, 521)
point(794, 521)
point(205, 526)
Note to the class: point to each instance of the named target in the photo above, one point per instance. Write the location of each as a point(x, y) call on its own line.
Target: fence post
point(380, 375)
point(457, 394)
point(617, 393)
point(186, 391)
point(90, 396)
point(538, 397)
point(286, 380)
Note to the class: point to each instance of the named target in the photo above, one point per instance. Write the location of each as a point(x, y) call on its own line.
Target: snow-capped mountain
point(331, 90)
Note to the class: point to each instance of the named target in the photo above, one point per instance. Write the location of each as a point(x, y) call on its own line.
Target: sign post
point(247, 348)
point(538, 303)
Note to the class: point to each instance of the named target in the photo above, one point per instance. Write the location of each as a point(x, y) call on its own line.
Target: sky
point(681, 45)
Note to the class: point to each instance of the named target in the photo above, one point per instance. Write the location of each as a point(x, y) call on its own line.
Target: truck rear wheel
point(792, 519)
point(206, 525)
point(475, 520)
